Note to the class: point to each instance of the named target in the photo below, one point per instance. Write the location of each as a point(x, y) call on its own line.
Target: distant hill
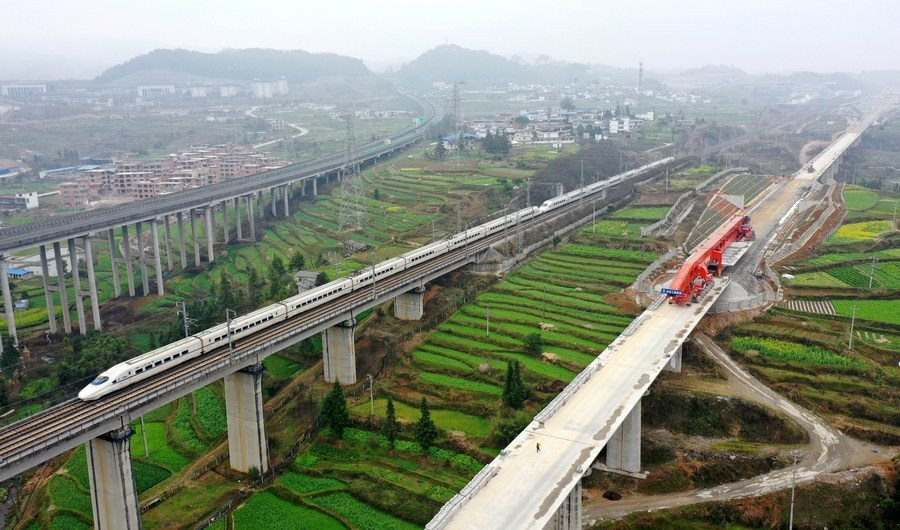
point(297, 66)
point(454, 63)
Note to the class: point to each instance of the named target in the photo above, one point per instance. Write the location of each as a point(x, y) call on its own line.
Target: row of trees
point(335, 415)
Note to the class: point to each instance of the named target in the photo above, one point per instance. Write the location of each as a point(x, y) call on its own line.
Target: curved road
point(828, 450)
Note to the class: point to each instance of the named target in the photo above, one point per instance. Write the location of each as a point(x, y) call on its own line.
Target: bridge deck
point(528, 485)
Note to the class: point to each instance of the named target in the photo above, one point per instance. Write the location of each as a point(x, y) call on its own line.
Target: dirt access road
point(828, 450)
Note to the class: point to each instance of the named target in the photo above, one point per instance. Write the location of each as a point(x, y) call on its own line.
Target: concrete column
point(129, 271)
point(674, 364)
point(210, 235)
point(225, 221)
point(251, 217)
point(273, 198)
point(113, 494)
point(63, 293)
point(315, 186)
point(247, 443)
point(195, 239)
point(285, 193)
point(48, 292)
point(183, 239)
point(157, 259)
point(339, 352)
point(111, 241)
point(237, 218)
point(302, 189)
point(623, 452)
point(142, 257)
point(167, 240)
point(568, 516)
point(7, 300)
point(76, 281)
point(92, 281)
point(410, 305)
point(259, 204)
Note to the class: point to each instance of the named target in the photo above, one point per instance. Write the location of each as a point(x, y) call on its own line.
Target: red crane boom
point(698, 269)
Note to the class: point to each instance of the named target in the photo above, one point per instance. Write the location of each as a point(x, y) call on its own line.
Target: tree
point(321, 278)
point(425, 429)
point(376, 195)
point(334, 413)
point(297, 261)
point(227, 299)
point(278, 279)
point(11, 356)
point(255, 286)
point(533, 343)
point(514, 392)
point(440, 150)
point(567, 104)
point(523, 119)
point(4, 392)
point(391, 427)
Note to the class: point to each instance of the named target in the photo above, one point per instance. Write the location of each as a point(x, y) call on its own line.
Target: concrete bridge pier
point(315, 190)
point(285, 196)
point(251, 217)
point(259, 203)
point(182, 239)
point(410, 305)
point(674, 364)
point(157, 258)
point(142, 257)
point(7, 301)
point(61, 282)
point(568, 515)
point(48, 290)
point(111, 242)
point(113, 494)
point(210, 235)
point(76, 282)
point(129, 266)
point(247, 444)
point(339, 352)
point(225, 221)
point(167, 242)
point(92, 281)
point(302, 189)
point(237, 219)
point(196, 238)
point(273, 199)
point(623, 451)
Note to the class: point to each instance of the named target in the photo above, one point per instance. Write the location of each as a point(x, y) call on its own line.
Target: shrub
point(425, 430)
point(533, 343)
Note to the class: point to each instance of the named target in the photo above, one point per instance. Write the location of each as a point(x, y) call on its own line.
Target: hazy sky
point(756, 35)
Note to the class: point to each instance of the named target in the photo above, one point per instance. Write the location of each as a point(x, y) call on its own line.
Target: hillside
point(297, 66)
point(454, 63)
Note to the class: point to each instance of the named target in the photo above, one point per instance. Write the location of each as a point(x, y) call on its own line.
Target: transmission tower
point(640, 83)
point(456, 125)
point(350, 194)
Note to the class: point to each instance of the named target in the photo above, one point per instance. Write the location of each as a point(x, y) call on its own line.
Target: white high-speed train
point(166, 357)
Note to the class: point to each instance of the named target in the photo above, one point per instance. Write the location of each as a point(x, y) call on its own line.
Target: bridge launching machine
point(697, 272)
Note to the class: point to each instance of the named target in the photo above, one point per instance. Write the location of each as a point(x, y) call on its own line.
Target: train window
point(139, 370)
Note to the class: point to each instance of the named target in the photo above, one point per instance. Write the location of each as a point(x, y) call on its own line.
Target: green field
point(877, 310)
point(859, 232)
point(859, 198)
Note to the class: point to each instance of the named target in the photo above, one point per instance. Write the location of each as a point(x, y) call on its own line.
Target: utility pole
point(667, 179)
point(144, 433)
point(593, 216)
point(228, 314)
point(185, 318)
point(796, 456)
point(371, 393)
point(458, 218)
point(581, 198)
point(872, 271)
point(852, 322)
point(373, 275)
point(528, 195)
point(487, 322)
point(432, 230)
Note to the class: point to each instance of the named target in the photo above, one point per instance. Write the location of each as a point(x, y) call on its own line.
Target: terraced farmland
point(561, 295)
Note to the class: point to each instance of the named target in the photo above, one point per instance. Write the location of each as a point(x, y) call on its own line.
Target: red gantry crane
point(698, 269)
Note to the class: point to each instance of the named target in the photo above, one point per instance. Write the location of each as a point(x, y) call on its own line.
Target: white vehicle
point(242, 326)
point(424, 253)
point(382, 270)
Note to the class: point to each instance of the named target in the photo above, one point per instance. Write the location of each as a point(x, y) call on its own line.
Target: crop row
point(794, 352)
